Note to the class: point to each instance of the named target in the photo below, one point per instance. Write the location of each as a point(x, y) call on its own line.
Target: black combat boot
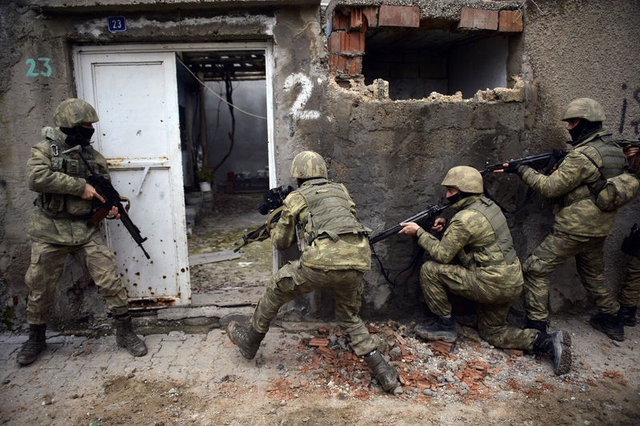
point(628, 315)
point(442, 328)
point(558, 346)
point(32, 347)
point(245, 337)
point(384, 372)
point(126, 338)
point(611, 325)
point(541, 326)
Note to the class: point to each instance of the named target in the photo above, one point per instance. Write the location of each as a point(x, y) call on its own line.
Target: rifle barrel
point(430, 212)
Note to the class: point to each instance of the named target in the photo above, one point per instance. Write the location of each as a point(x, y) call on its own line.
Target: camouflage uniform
point(630, 289)
point(489, 272)
point(58, 226)
point(320, 215)
point(579, 228)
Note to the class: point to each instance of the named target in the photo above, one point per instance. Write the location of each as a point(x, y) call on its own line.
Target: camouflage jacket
point(60, 215)
point(479, 237)
point(347, 250)
point(576, 212)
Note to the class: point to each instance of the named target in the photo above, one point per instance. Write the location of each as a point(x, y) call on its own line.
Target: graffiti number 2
point(33, 71)
point(306, 86)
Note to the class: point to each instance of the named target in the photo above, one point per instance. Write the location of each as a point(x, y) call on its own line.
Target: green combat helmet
point(73, 112)
point(585, 108)
point(464, 179)
point(308, 164)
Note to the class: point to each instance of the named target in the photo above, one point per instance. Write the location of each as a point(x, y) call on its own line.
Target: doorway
point(225, 146)
point(172, 118)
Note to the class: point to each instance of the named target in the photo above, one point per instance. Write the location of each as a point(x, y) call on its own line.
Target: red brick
point(442, 346)
point(371, 13)
point(318, 341)
point(335, 41)
point(399, 16)
point(344, 42)
point(356, 19)
point(337, 64)
point(341, 20)
point(510, 21)
point(355, 66)
point(356, 42)
point(478, 19)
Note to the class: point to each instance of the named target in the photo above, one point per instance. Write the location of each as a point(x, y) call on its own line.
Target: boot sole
point(28, 361)
point(231, 330)
point(564, 365)
point(136, 353)
point(437, 336)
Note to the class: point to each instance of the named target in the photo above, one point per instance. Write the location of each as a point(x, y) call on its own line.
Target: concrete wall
point(392, 155)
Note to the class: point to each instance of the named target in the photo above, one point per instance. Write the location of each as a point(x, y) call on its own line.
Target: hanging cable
point(218, 96)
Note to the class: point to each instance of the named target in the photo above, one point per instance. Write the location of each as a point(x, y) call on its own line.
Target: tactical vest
point(329, 211)
point(613, 164)
point(66, 205)
point(503, 242)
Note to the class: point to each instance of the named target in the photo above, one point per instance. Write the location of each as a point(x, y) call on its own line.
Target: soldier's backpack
point(613, 192)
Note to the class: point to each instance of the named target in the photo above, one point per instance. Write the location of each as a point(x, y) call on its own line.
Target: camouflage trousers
point(494, 303)
point(630, 289)
point(294, 280)
point(554, 250)
point(47, 263)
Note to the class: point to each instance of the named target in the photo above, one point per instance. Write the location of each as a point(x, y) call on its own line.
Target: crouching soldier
point(488, 272)
point(335, 254)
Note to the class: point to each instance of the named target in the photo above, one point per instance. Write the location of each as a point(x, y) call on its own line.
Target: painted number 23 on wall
point(39, 68)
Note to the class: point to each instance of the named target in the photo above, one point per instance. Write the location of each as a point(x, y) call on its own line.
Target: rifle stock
point(431, 212)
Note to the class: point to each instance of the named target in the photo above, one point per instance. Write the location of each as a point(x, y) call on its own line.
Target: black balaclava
point(583, 129)
point(457, 197)
point(78, 135)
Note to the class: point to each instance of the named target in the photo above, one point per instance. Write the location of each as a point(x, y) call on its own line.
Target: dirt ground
point(305, 374)
point(221, 230)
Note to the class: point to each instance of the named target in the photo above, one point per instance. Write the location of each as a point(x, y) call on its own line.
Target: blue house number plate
point(117, 24)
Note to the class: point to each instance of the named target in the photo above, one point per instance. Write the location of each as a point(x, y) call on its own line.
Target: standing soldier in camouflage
point(59, 226)
point(580, 227)
point(488, 272)
point(629, 295)
point(321, 216)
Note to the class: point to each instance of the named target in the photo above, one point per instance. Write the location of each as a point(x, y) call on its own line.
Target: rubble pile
point(468, 370)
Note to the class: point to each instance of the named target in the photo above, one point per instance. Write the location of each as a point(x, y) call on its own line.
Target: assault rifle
point(273, 200)
point(625, 142)
point(111, 199)
point(423, 216)
point(544, 162)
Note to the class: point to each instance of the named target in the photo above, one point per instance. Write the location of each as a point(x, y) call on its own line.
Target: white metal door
point(135, 95)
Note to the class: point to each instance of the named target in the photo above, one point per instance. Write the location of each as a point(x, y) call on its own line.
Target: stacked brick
point(349, 26)
point(347, 38)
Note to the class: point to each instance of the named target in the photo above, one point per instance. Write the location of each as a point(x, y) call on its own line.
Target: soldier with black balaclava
point(59, 225)
point(580, 227)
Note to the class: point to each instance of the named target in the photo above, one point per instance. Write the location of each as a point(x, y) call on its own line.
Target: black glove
point(512, 167)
